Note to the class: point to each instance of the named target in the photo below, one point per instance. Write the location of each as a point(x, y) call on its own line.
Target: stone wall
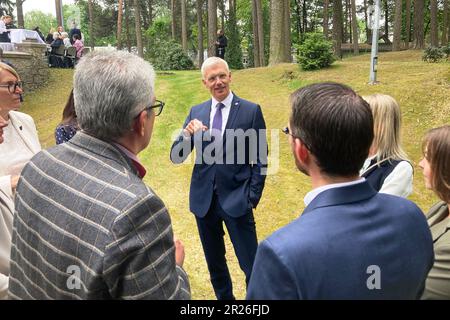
point(31, 63)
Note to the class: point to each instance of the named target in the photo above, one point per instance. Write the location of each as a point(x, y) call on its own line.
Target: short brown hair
point(436, 148)
point(335, 124)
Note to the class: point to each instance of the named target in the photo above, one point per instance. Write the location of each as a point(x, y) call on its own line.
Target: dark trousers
point(220, 52)
point(242, 232)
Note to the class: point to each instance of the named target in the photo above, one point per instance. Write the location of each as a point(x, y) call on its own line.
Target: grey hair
point(212, 61)
point(110, 89)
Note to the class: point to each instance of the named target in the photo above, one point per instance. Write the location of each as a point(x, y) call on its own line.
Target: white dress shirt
point(310, 196)
point(225, 110)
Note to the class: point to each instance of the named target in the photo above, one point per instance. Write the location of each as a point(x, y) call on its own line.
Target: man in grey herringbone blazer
point(86, 226)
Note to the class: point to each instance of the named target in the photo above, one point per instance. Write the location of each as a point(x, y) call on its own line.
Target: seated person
point(78, 44)
point(69, 125)
point(56, 57)
point(49, 39)
point(58, 33)
point(66, 40)
point(387, 168)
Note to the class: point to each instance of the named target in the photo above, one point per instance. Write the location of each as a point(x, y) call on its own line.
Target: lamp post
point(375, 26)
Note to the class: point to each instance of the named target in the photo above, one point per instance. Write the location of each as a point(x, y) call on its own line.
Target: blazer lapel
point(437, 213)
point(235, 105)
point(204, 117)
point(205, 112)
point(19, 126)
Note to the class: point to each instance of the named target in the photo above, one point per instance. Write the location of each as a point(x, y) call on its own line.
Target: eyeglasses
point(158, 106)
point(286, 131)
point(12, 87)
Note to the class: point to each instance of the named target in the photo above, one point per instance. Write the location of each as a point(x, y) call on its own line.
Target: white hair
point(110, 89)
point(212, 61)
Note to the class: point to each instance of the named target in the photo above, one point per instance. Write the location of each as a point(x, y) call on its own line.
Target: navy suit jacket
point(239, 185)
point(327, 252)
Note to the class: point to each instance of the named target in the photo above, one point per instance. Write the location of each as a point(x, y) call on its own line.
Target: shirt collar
point(137, 164)
point(227, 101)
point(310, 196)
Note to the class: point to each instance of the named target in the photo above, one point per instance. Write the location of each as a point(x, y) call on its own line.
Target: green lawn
point(422, 90)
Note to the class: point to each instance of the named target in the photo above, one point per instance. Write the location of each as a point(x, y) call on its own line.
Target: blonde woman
point(387, 169)
point(436, 170)
point(20, 144)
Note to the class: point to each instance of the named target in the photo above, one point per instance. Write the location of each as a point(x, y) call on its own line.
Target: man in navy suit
point(229, 173)
point(350, 242)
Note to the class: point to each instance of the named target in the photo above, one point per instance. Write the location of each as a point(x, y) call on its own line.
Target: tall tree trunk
point(144, 14)
point(278, 34)
point(298, 21)
point(150, 12)
point(256, 53)
point(173, 23)
point(19, 7)
point(325, 18)
point(58, 8)
point(127, 23)
point(396, 44)
point(445, 24)
point(119, 24)
point(408, 22)
point(200, 32)
point(366, 20)
point(345, 22)
point(91, 24)
point(222, 14)
point(355, 28)
point(386, 21)
point(419, 38)
point(212, 27)
point(337, 27)
point(260, 19)
point(434, 23)
point(258, 33)
point(350, 18)
point(304, 16)
point(287, 31)
point(137, 21)
point(183, 26)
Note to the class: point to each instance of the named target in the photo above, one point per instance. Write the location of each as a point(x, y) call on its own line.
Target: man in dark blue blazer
point(350, 242)
point(229, 136)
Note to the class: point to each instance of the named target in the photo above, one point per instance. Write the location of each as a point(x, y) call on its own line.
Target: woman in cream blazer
point(20, 144)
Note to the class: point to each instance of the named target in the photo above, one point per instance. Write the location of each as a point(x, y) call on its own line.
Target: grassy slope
point(422, 89)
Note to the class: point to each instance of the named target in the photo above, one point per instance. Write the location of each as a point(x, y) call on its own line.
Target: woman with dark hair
point(436, 170)
point(69, 125)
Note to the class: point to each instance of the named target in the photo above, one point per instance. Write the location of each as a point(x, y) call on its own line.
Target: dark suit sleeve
point(271, 279)
point(259, 168)
point(182, 146)
point(139, 261)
